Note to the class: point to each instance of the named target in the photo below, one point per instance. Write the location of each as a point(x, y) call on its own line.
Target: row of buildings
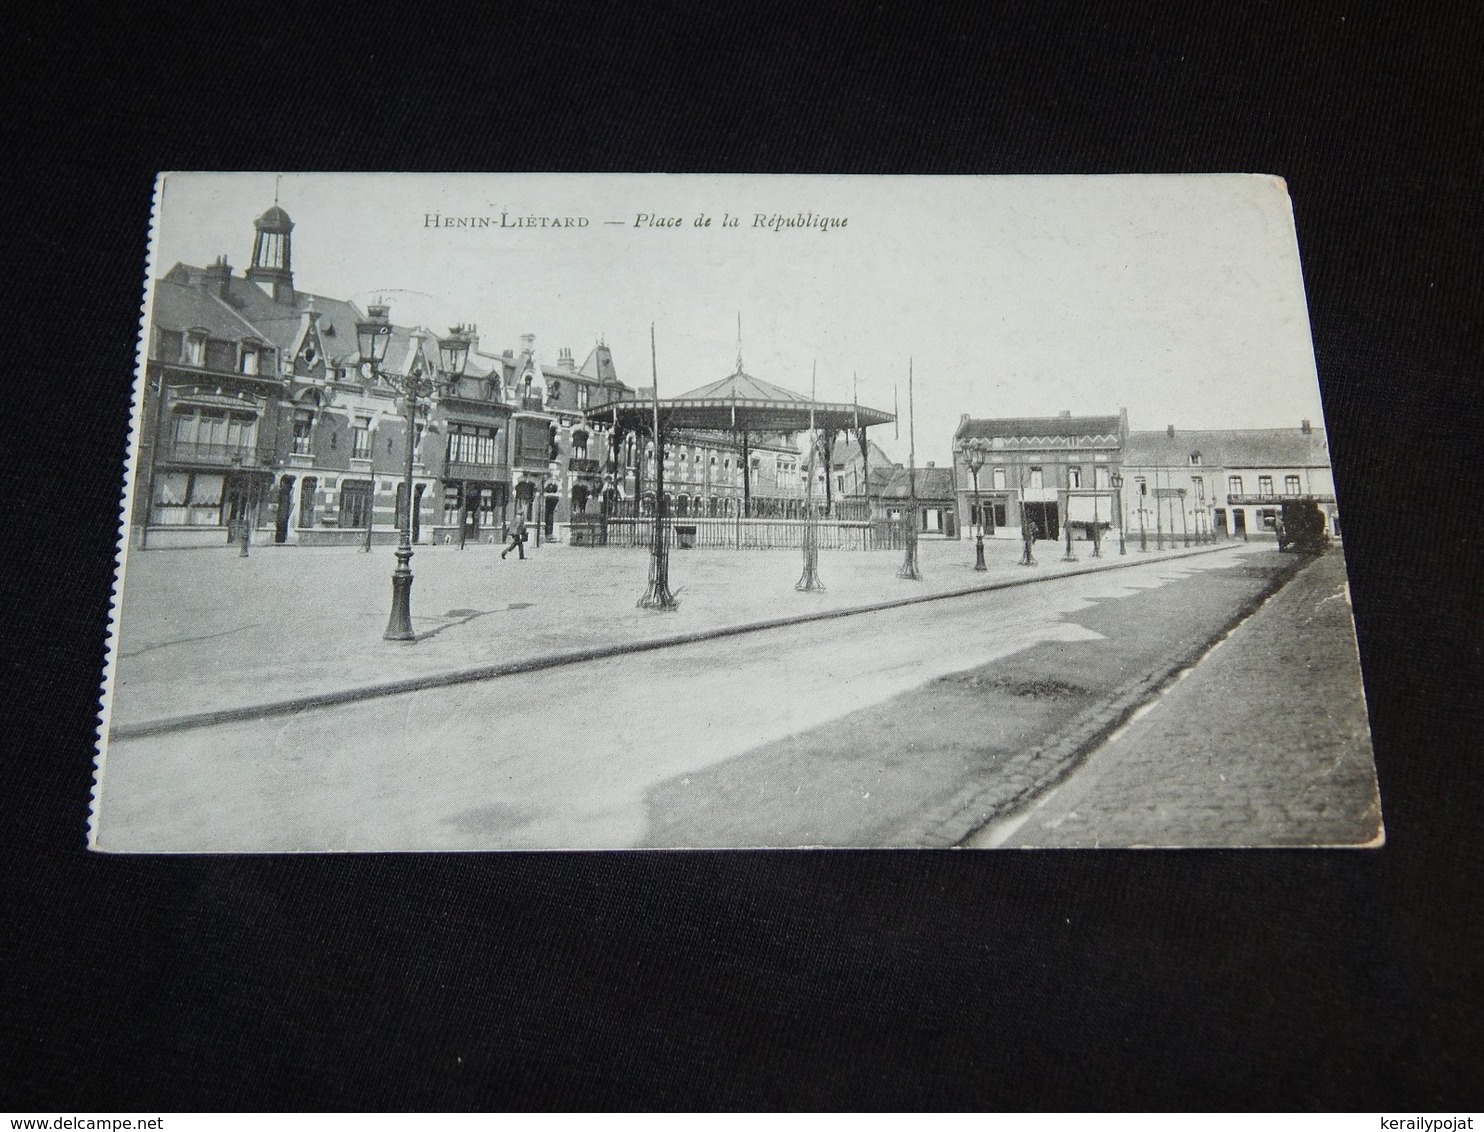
point(1093, 471)
point(258, 409)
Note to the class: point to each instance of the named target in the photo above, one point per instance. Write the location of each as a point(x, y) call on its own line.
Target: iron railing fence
point(737, 534)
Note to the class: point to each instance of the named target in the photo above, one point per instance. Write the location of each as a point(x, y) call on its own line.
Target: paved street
point(1264, 743)
point(774, 737)
point(205, 630)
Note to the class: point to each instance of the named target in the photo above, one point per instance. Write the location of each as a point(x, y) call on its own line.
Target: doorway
point(285, 506)
point(1239, 521)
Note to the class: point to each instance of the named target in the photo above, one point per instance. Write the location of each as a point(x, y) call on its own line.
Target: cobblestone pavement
point(206, 630)
point(1265, 742)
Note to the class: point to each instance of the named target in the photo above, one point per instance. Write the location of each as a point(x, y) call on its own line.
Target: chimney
point(1170, 431)
point(1305, 427)
point(219, 277)
point(1065, 414)
point(564, 360)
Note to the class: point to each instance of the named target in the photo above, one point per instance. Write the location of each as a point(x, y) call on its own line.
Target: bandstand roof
point(736, 402)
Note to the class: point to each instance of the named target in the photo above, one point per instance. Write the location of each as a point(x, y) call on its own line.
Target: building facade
point(1049, 471)
point(1224, 481)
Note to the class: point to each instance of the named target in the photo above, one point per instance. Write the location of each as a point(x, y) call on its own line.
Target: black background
point(1259, 979)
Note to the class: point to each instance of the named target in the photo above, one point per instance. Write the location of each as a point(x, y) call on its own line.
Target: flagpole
point(809, 582)
point(909, 568)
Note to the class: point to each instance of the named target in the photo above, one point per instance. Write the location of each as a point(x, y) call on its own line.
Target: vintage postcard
point(480, 512)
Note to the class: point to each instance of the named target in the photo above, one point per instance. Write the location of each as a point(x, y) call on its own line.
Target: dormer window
point(1195, 459)
point(195, 348)
point(250, 361)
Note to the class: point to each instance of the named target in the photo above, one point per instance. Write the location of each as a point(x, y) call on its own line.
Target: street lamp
point(453, 355)
point(373, 336)
point(976, 449)
point(1118, 503)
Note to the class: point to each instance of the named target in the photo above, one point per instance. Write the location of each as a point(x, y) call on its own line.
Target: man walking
point(516, 533)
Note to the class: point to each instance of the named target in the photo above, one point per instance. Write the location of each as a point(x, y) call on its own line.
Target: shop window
point(187, 499)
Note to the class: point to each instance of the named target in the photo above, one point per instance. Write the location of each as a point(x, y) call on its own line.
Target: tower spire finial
point(277, 182)
point(739, 341)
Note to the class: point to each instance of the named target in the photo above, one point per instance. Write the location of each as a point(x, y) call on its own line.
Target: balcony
point(584, 467)
point(468, 470)
point(214, 455)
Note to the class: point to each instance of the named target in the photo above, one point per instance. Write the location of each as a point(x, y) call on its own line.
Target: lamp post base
point(658, 595)
point(979, 553)
point(809, 582)
point(399, 625)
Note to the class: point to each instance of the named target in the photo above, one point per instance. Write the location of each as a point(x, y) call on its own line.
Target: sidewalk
point(206, 631)
point(1265, 742)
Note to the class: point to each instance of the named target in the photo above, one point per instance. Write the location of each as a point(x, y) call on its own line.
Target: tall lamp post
point(453, 355)
point(1118, 503)
point(976, 461)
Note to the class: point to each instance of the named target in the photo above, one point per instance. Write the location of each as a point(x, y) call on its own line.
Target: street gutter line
point(480, 673)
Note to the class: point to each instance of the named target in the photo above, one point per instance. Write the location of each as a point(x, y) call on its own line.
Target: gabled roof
point(895, 482)
point(1038, 428)
point(1229, 448)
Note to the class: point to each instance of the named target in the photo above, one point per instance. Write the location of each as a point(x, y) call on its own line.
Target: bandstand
point(746, 408)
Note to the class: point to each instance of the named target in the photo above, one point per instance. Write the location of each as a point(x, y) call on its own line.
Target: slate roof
point(1038, 428)
point(178, 306)
point(1229, 448)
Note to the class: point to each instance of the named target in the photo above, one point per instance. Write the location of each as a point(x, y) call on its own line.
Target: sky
point(1179, 298)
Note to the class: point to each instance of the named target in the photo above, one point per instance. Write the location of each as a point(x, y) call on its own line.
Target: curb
point(480, 673)
point(974, 810)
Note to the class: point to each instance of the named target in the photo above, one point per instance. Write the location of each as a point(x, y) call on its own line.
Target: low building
point(1223, 481)
point(897, 490)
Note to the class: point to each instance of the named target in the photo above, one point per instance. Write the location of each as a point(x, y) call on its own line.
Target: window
point(1234, 485)
point(1264, 485)
point(303, 432)
point(553, 391)
point(355, 503)
point(583, 393)
point(579, 444)
point(360, 441)
point(1195, 459)
point(1199, 484)
point(999, 479)
point(1291, 485)
point(840, 484)
point(1074, 476)
point(1141, 487)
point(1099, 476)
point(472, 444)
point(250, 360)
point(1036, 478)
point(531, 441)
point(195, 349)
